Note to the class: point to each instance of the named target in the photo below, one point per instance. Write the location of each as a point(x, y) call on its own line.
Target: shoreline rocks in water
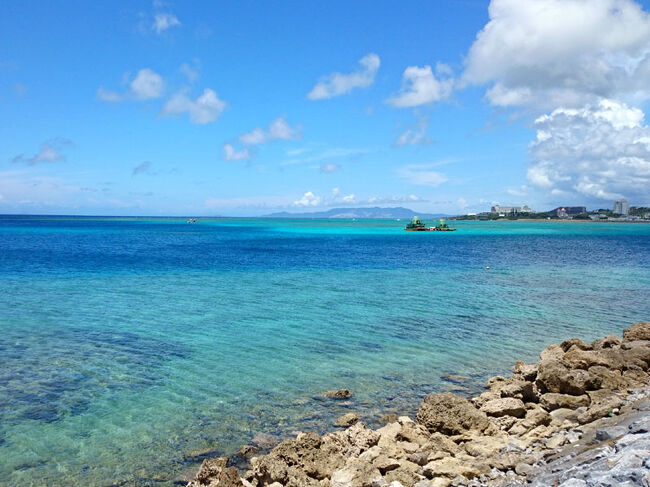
point(580, 416)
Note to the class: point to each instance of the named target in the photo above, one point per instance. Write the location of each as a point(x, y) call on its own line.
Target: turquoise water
point(131, 348)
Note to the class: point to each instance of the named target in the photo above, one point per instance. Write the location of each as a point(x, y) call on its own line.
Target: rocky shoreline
point(578, 417)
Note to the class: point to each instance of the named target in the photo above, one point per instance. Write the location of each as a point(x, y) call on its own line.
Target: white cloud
point(416, 135)
point(278, 129)
point(421, 87)
point(462, 203)
point(308, 199)
point(598, 152)
point(338, 84)
point(521, 191)
point(50, 151)
point(164, 21)
point(549, 53)
point(422, 175)
point(231, 154)
point(146, 85)
point(205, 109)
point(190, 72)
point(330, 167)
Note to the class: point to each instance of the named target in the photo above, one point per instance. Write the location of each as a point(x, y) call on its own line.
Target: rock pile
point(504, 436)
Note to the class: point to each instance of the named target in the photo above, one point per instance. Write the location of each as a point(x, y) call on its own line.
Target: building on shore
point(622, 207)
point(568, 211)
point(511, 210)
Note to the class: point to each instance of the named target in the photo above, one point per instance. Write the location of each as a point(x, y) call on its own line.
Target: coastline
point(555, 422)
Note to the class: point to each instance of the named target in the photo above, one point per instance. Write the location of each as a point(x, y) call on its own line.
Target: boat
point(416, 225)
point(191, 220)
point(443, 227)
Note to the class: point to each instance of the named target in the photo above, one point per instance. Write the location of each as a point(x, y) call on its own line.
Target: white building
point(621, 207)
point(511, 210)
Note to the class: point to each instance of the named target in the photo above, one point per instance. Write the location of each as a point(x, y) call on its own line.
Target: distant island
point(375, 212)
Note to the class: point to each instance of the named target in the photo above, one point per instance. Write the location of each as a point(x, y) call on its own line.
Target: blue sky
point(245, 108)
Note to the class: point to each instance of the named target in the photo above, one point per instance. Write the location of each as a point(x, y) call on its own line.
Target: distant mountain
point(375, 212)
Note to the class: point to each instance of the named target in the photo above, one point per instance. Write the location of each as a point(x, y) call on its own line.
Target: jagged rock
point(347, 419)
point(638, 331)
point(610, 341)
point(609, 379)
point(574, 342)
point(247, 451)
point(385, 464)
point(600, 410)
point(554, 376)
point(338, 394)
point(388, 418)
point(636, 376)
point(214, 472)
point(517, 388)
point(508, 406)
point(552, 352)
point(528, 372)
point(551, 401)
point(450, 414)
point(449, 467)
point(484, 397)
point(352, 441)
point(355, 473)
point(440, 443)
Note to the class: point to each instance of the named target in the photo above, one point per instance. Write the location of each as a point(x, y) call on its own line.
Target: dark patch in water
point(56, 373)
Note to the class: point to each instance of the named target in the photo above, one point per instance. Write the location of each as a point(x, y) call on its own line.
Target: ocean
point(132, 348)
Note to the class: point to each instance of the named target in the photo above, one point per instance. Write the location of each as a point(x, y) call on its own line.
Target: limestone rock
point(551, 401)
point(449, 467)
point(528, 372)
point(338, 394)
point(450, 414)
point(347, 419)
point(574, 342)
point(355, 473)
point(508, 406)
point(610, 341)
point(552, 352)
point(638, 331)
point(554, 376)
point(215, 473)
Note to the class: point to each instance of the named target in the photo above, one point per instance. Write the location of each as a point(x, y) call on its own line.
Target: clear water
point(132, 348)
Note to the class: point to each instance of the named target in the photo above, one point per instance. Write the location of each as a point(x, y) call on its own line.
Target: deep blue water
point(132, 347)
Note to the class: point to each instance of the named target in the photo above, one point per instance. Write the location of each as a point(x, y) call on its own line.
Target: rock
point(552, 401)
point(528, 372)
point(454, 378)
point(247, 451)
point(388, 418)
point(505, 407)
point(636, 376)
point(347, 419)
point(610, 341)
point(600, 410)
point(356, 473)
point(609, 379)
point(523, 469)
point(552, 352)
point(556, 441)
point(214, 472)
point(554, 376)
point(516, 388)
point(449, 467)
point(574, 342)
point(265, 441)
point(338, 394)
point(450, 414)
point(638, 331)
point(354, 440)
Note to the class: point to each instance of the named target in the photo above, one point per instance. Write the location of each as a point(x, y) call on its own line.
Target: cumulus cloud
point(191, 72)
point(416, 135)
point(231, 154)
point(329, 167)
point(205, 109)
point(337, 84)
point(421, 87)
point(146, 84)
point(278, 129)
point(599, 152)
point(164, 21)
point(308, 199)
point(50, 151)
point(421, 175)
point(550, 53)
point(141, 168)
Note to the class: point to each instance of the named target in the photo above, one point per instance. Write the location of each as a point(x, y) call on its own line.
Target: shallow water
point(131, 348)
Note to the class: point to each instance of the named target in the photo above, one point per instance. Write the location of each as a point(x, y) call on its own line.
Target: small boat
point(191, 220)
point(443, 227)
point(416, 225)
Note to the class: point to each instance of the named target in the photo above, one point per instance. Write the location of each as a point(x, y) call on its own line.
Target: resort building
point(511, 210)
point(568, 211)
point(622, 207)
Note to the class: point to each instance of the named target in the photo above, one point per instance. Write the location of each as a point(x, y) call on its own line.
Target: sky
point(246, 108)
